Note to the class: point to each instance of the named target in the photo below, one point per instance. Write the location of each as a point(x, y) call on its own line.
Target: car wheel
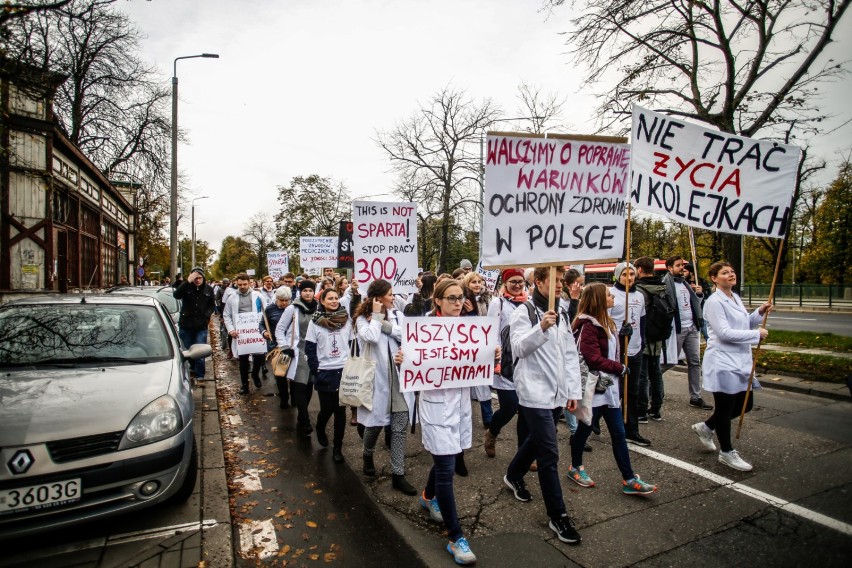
point(188, 485)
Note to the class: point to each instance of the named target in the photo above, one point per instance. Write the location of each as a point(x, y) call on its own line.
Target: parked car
point(97, 410)
point(165, 294)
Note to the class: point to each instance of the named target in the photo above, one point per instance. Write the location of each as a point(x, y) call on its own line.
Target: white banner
point(385, 237)
point(448, 353)
point(490, 276)
point(249, 340)
point(278, 264)
point(710, 179)
point(317, 252)
point(553, 200)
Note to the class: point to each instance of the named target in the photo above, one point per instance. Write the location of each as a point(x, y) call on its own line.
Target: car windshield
point(164, 295)
point(81, 333)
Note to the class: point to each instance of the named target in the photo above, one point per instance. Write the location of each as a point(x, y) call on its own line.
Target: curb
point(814, 388)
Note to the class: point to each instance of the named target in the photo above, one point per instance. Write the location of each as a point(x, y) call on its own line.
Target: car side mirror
point(198, 351)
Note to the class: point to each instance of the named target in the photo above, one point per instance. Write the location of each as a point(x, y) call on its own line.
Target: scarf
point(305, 307)
point(519, 299)
point(541, 302)
point(620, 286)
point(331, 320)
point(677, 279)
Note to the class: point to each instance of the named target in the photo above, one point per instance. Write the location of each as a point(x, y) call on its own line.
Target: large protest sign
point(710, 179)
point(490, 276)
point(317, 252)
point(553, 200)
point(385, 239)
point(249, 340)
point(446, 353)
point(345, 246)
point(278, 264)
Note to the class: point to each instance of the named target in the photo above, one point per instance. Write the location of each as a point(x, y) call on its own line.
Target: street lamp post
point(193, 226)
point(173, 233)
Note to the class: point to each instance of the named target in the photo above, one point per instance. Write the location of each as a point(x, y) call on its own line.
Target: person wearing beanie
point(466, 265)
point(197, 305)
point(631, 332)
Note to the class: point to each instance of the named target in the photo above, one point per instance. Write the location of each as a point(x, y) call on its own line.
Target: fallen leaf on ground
point(311, 524)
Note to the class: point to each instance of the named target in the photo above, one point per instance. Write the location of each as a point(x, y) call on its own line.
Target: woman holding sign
point(598, 343)
point(327, 348)
point(377, 325)
point(445, 418)
point(727, 361)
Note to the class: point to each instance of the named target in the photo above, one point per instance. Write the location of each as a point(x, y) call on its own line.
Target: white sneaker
point(732, 459)
point(705, 435)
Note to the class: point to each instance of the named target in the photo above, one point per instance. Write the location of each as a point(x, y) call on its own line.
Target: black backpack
point(507, 361)
point(659, 315)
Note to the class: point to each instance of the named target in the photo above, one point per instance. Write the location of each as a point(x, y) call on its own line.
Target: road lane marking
point(258, 540)
point(793, 319)
point(778, 502)
point(251, 480)
point(235, 420)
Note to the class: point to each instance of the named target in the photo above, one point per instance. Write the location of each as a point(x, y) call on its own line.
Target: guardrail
point(801, 295)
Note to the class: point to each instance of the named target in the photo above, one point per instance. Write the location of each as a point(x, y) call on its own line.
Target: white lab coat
point(730, 334)
point(382, 348)
point(232, 307)
point(502, 308)
point(547, 374)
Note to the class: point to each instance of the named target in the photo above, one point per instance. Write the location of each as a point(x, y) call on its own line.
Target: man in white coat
point(244, 300)
point(547, 379)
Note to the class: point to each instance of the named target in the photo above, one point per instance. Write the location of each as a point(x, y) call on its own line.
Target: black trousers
point(246, 362)
point(726, 408)
point(330, 406)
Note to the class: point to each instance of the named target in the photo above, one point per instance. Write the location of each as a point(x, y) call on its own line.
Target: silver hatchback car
point(96, 413)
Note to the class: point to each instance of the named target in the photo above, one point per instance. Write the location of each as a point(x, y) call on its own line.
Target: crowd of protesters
point(613, 334)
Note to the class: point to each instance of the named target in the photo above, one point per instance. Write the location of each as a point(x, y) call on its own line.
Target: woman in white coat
point(378, 328)
point(445, 419)
point(727, 361)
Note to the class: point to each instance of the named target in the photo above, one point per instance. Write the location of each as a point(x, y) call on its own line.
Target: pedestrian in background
point(292, 333)
point(728, 361)
point(197, 304)
point(245, 300)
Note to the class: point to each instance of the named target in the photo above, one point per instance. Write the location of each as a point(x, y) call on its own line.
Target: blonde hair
point(470, 276)
point(593, 303)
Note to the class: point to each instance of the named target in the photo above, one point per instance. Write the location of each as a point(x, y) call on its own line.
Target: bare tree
point(543, 110)
point(748, 67)
point(12, 10)
point(259, 232)
point(435, 152)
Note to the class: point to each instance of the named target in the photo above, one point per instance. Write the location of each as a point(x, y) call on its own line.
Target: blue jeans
point(190, 338)
point(571, 420)
point(440, 486)
point(508, 408)
point(615, 425)
point(540, 445)
point(487, 412)
point(651, 378)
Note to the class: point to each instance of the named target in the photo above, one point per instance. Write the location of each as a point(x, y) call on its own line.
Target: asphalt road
point(836, 323)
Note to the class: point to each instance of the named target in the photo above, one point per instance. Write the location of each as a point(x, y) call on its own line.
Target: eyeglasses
point(515, 282)
point(454, 299)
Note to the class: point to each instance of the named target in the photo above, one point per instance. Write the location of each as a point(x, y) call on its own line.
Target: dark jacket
point(197, 306)
point(650, 285)
point(694, 302)
point(593, 345)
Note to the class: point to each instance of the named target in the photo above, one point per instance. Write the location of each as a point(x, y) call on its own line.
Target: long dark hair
point(427, 286)
point(375, 290)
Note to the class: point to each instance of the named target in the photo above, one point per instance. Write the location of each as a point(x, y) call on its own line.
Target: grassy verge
point(810, 340)
point(817, 367)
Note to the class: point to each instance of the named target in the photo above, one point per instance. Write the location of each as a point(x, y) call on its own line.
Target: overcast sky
point(302, 86)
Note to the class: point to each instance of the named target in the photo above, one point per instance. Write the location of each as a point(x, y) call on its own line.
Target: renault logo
point(21, 462)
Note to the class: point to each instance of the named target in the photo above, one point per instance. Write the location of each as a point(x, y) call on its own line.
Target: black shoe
point(565, 530)
point(256, 380)
point(519, 488)
point(655, 416)
point(643, 419)
point(264, 370)
point(282, 403)
point(639, 440)
point(587, 448)
point(461, 467)
point(322, 438)
point(402, 485)
point(306, 430)
point(244, 389)
point(337, 455)
point(596, 428)
point(369, 467)
point(699, 403)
